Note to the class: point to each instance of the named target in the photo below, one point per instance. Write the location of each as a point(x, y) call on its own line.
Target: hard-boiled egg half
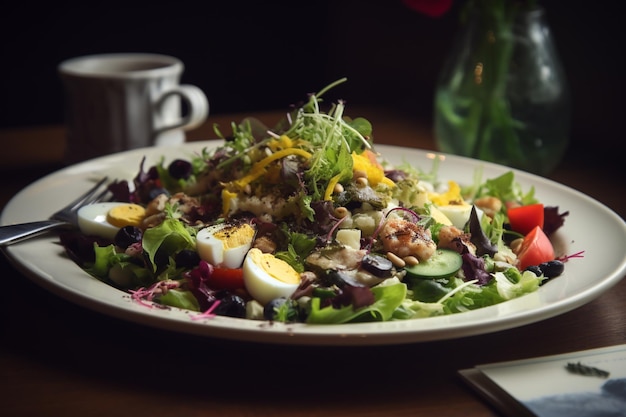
point(267, 277)
point(451, 208)
point(105, 219)
point(459, 214)
point(225, 244)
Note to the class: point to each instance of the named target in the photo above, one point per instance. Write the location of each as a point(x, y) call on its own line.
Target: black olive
point(157, 191)
point(549, 269)
point(180, 169)
point(552, 268)
point(187, 258)
point(230, 305)
point(127, 236)
point(340, 279)
point(535, 270)
point(281, 309)
point(377, 265)
point(161, 258)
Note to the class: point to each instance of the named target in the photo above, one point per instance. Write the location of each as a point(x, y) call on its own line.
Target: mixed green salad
point(307, 222)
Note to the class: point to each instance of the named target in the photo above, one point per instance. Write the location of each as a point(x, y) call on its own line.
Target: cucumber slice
point(443, 264)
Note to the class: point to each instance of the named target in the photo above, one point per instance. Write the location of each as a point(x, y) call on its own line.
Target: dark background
point(265, 55)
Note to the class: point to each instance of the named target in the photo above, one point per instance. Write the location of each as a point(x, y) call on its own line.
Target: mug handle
point(197, 106)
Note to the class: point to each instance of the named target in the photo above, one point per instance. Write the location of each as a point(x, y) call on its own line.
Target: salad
point(306, 222)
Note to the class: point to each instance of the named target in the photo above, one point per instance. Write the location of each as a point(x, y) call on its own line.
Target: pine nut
point(396, 260)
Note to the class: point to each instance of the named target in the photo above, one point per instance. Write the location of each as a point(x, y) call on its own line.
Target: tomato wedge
point(536, 248)
point(226, 279)
point(523, 219)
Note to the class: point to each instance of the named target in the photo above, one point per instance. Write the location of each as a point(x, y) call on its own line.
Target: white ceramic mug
point(116, 102)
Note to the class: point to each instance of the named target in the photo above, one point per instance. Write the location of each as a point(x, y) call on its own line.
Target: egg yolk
point(126, 215)
point(274, 267)
point(235, 236)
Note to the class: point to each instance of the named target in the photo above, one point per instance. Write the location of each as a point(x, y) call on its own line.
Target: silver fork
point(65, 218)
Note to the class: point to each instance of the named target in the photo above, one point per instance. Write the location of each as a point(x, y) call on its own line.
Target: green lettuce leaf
point(181, 299)
point(171, 235)
point(388, 297)
point(107, 258)
point(506, 188)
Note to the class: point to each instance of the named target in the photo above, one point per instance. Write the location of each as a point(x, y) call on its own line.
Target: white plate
point(590, 227)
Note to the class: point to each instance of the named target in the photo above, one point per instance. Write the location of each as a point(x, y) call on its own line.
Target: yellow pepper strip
point(452, 196)
point(227, 196)
point(258, 169)
point(331, 186)
point(388, 182)
point(284, 142)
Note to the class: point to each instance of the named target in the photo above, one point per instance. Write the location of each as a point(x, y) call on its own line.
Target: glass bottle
point(503, 95)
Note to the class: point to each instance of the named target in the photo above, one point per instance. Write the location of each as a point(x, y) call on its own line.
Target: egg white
point(262, 286)
point(92, 220)
point(459, 214)
point(212, 250)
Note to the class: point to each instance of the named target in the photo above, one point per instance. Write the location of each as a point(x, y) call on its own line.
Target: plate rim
point(280, 333)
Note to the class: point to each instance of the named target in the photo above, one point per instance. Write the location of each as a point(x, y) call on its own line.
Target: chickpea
point(341, 212)
point(361, 182)
point(359, 174)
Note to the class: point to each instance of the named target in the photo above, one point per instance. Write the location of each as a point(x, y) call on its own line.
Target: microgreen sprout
point(575, 255)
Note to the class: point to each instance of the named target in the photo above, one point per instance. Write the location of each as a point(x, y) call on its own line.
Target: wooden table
point(57, 359)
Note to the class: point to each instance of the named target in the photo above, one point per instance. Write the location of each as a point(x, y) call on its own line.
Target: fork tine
point(95, 199)
point(80, 201)
point(62, 218)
